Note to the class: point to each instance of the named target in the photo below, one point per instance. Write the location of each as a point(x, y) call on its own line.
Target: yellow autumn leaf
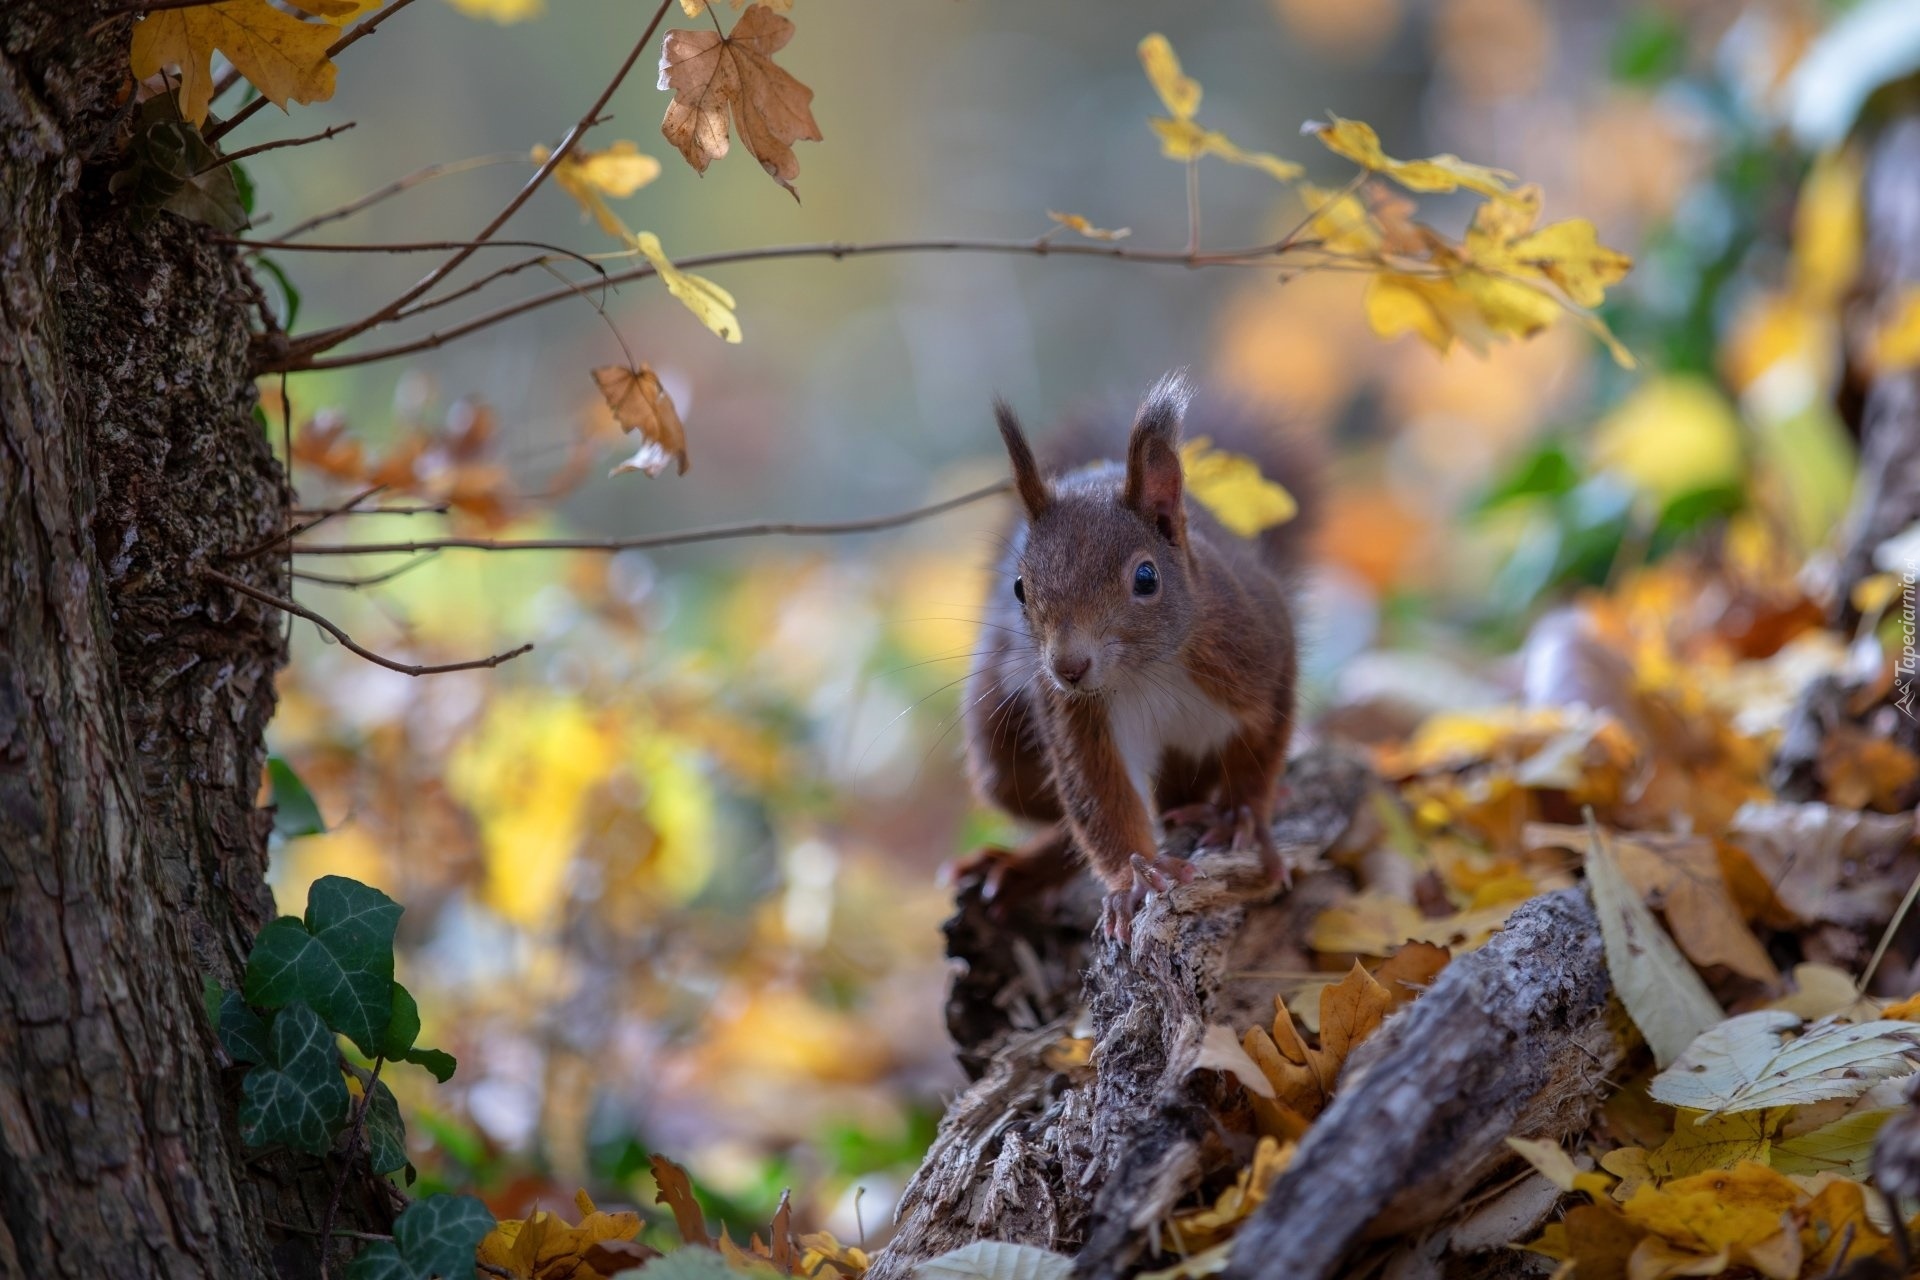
point(1074, 222)
point(1194, 1229)
point(1179, 92)
point(544, 1246)
point(1339, 221)
point(1701, 1142)
point(1827, 230)
point(1230, 485)
point(280, 55)
point(1735, 1216)
point(1673, 435)
point(503, 12)
point(712, 305)
point(1358, 142)
point(1894, 345)
point(589, 176)
point(1432, 306)
point(1181, 138)
point(1570, 254)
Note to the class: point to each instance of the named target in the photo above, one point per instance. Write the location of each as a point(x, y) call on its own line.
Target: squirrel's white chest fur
point(1163, 710)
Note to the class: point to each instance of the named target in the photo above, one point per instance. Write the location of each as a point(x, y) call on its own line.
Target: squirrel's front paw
point(1149, 875)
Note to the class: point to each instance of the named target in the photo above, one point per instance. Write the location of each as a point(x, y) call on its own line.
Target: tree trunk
point(133, 700)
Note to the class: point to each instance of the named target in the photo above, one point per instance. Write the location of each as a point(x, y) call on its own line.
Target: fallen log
point(1086, 1150)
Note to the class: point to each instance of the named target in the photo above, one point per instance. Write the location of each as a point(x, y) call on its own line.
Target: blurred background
point(670, 879)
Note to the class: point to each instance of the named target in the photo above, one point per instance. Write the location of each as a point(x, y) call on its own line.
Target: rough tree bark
point(133, 701)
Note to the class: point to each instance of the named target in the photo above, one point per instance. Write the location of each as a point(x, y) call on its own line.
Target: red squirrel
point(1137, 667)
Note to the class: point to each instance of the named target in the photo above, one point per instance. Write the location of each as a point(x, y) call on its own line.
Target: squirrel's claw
point(1157, 874)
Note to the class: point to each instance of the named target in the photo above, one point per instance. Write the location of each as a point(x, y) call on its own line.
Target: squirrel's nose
point(1072, 669)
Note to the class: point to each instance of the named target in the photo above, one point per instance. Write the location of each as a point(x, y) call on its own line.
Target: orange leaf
point(640, 403)
point(711, 74)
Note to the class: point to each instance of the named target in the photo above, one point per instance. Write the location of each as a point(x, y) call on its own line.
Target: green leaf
point(403, 1028)
point(1844, 1147)
point(438, 1235)
point(294, 812)
point(171, 167)
point(210, 994)
point(380, 1261)
point(1649, 46)
point(438, 1061)
point(339, 961)
point(1544, 473)
point(386, 1132)
point(296, 1098)
point(1756, 1060)
point(290, 296)
point(243, 1033)
point(397, 1045)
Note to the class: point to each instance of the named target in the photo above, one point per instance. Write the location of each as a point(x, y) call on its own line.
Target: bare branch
point(398, 185)
point(333, 629)
point(421, 509)
point(370, 580)
point(334, 50)
point(713, 533)
point(244, 152)
point(301, 355)
point(333, 337)
point(295, 531)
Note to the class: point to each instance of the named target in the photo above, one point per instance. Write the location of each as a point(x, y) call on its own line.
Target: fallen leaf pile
point(1738, 927)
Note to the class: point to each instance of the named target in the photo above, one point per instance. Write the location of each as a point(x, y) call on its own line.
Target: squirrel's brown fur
point(1096, 705)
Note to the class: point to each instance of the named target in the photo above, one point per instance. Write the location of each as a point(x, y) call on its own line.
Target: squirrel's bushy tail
point(1098, 433)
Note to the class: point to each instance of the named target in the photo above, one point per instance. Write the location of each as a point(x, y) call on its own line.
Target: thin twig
point(398, 185)
point(405, 246)
point(255, 150)
point(1193, 205)
point(1886, 936)
point(333, 337)
point(348, 1232)
point(155, 6)
point(334, 50)
point(369, 580)
point(422, 509)
point(333, 629)
point(713, 533)
point(355, 1127)
point(295, 531)
point(303, 354)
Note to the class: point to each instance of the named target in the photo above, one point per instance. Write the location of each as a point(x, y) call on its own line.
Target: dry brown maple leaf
point(710, 73)
point(640, 403)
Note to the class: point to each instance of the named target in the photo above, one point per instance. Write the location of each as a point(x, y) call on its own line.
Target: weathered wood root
point(1042, 1152)
point(1514, 1039)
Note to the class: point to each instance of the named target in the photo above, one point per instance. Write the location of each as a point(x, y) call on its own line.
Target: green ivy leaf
point(436, 1236)
point(397, 1045)
point(295, 812)
point(403, 1028)
point(210, 995)
point(339, 961)
point(438, 1061)
point(243, 1033)
point(296, 1098)
point(386, 1132)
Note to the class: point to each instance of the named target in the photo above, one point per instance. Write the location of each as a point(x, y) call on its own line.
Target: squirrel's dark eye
point(1020, 590)
point(1146, 579)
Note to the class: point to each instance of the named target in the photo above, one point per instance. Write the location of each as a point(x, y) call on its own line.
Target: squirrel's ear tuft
point(1154, 482)
point(1027, 480)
